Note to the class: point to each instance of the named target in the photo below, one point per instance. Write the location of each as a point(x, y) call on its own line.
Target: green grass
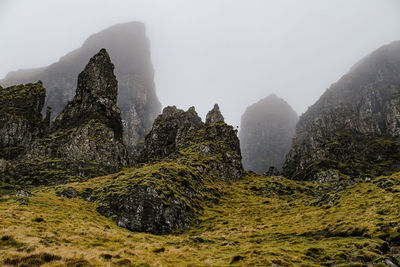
point(258, 221)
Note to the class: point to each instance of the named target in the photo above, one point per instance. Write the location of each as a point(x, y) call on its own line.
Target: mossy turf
point(261, 221)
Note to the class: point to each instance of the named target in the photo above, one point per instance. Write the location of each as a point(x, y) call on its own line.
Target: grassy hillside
point(260, 220)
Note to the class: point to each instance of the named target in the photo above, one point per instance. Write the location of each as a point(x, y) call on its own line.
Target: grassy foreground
point(261, 221)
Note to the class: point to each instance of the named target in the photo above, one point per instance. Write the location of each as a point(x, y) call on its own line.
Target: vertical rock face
point(129, 50)
point(266, 131)
point(20, 118)
point(354, 128)
point(85, 139)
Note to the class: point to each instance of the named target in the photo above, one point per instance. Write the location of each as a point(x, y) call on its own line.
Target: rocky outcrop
point(266, 131)
point(354, 128)
point(272, 171)
point(192, 160)
point(95, 99)
point(85, 139)
point(214, 116)
point(169, 131)
point(129, 50)
point(219, 143)
point(20, 118)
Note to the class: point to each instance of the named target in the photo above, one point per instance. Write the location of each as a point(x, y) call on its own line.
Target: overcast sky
point(231, 52)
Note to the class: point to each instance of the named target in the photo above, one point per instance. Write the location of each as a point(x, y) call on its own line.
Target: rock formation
point(168, 132)
point(129, 50)
point(95, 99)
point(266, 131)
point(354, 127)
point(188, 160)
point(20, 118)
point(214, 116)
point(85, 139)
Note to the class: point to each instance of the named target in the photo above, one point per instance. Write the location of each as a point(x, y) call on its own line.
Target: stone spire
point(214, 116)
point(96, 97)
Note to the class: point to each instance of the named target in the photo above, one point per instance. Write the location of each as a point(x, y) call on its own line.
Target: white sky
point(231, 52)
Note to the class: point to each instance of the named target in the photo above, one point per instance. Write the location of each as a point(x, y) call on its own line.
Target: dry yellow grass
point(259, 221)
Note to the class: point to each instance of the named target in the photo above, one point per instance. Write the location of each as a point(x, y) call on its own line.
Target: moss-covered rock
point(188, 166)
point(169, 130)
point(20, 118)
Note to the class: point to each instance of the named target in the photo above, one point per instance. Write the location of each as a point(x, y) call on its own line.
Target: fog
point(231, 52)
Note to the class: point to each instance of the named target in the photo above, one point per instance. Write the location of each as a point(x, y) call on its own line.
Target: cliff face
point(355, 126)
point(85, 140)
point(20, 118)
point(266, 131)
point(129, 50)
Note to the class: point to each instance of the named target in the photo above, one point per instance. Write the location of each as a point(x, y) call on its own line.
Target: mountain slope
point(355, 126)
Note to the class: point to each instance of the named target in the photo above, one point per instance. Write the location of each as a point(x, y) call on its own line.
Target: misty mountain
point(355, 125)
point(129, 50)
point(266, 132)
point(92, 173)
point(85, 140)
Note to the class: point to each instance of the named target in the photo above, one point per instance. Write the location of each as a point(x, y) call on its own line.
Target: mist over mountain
point(92, 173)
point(129, 49)
point(84, 141)
point(266, 133)
point(354, 126)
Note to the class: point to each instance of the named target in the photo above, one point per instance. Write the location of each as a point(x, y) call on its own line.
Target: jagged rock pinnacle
point(97, 80)
point(96, 97)
point(214, 116)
